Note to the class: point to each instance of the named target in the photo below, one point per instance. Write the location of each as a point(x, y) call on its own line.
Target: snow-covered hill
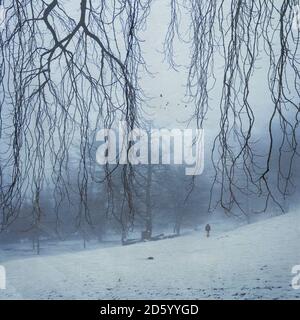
point(251, 262)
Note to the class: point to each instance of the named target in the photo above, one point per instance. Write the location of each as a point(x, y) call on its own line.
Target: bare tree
point(60, 78)
point(243, 32)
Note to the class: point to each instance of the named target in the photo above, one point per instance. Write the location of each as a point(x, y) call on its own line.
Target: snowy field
point(251, 262)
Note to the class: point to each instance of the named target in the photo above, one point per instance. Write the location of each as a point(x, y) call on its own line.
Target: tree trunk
point(148, 203)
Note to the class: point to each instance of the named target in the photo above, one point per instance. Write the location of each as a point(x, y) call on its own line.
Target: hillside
point(251, 262)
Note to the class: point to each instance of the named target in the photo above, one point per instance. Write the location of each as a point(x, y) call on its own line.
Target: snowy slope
point(254, 261)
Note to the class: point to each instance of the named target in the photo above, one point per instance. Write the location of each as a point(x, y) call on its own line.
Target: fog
point(53, 188)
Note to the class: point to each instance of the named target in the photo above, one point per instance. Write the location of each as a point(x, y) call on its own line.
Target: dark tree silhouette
point(63, 77)
point(243, 32)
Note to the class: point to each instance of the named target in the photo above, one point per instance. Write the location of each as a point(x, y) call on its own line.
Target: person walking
point(207, 229)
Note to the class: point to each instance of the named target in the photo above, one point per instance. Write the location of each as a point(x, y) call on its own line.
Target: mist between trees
point(69, 69)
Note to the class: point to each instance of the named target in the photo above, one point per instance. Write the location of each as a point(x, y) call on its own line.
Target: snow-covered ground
point(251, 262)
